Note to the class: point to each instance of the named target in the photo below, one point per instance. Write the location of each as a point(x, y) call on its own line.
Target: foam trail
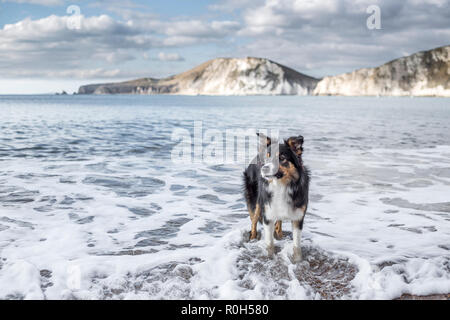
point(91, 207)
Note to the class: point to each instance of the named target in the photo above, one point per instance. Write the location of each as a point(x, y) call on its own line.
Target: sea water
point(92, 205)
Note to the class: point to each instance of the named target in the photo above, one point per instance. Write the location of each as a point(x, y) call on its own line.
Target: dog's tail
point(250, 192)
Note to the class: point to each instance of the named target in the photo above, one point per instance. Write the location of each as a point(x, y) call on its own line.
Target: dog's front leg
point(268, 237)
point(278, 230)
point(255, 218)
point(297, 227)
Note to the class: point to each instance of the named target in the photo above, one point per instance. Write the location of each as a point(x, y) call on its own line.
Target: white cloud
point(233, 5)
point(200, 29)
point(318, 37)
point(40, 2)
point(162, 56)
point(49, 46)
point(70, 73)
point(330, 36)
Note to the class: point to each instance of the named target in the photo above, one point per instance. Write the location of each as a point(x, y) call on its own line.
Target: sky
point(47, 46)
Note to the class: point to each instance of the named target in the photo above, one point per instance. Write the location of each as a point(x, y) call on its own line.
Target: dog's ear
point(296, 144)
point(263, 141)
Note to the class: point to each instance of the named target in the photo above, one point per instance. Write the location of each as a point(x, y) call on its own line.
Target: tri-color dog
point(276, 187)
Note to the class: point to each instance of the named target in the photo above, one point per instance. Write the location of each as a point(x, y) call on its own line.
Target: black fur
point(255, 186)
point(251, 186)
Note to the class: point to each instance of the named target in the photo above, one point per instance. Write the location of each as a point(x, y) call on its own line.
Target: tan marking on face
point(276, 155)
point(290, 173)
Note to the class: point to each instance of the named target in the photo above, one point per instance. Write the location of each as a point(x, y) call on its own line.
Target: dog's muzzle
point(268, 171)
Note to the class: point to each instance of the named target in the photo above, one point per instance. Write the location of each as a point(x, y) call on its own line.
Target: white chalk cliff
point(223, 76)
point(424, 73)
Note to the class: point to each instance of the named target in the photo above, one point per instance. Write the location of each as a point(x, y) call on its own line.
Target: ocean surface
point(93, 205)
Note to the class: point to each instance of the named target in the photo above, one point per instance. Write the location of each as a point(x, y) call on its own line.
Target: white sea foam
point(87, 212)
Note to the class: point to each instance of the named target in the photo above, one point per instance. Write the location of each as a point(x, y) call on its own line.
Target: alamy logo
point(374, 20)
point(236, 146)
point(74, 20)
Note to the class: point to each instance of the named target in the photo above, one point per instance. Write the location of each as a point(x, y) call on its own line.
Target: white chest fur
point(280, 207)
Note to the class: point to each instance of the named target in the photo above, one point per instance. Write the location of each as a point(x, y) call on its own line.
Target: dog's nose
point(266, 169)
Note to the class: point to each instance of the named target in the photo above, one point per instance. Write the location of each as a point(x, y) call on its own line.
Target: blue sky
point(41, 51)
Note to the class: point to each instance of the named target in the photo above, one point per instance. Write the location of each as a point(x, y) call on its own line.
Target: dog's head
point(280, 160)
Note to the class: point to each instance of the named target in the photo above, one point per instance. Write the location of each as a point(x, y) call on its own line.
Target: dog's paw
point(297, 256)
point(251, 237)
point(271, 251)
point(278, 235)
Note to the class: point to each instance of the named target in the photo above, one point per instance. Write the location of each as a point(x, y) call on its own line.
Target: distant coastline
point(423, 74)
